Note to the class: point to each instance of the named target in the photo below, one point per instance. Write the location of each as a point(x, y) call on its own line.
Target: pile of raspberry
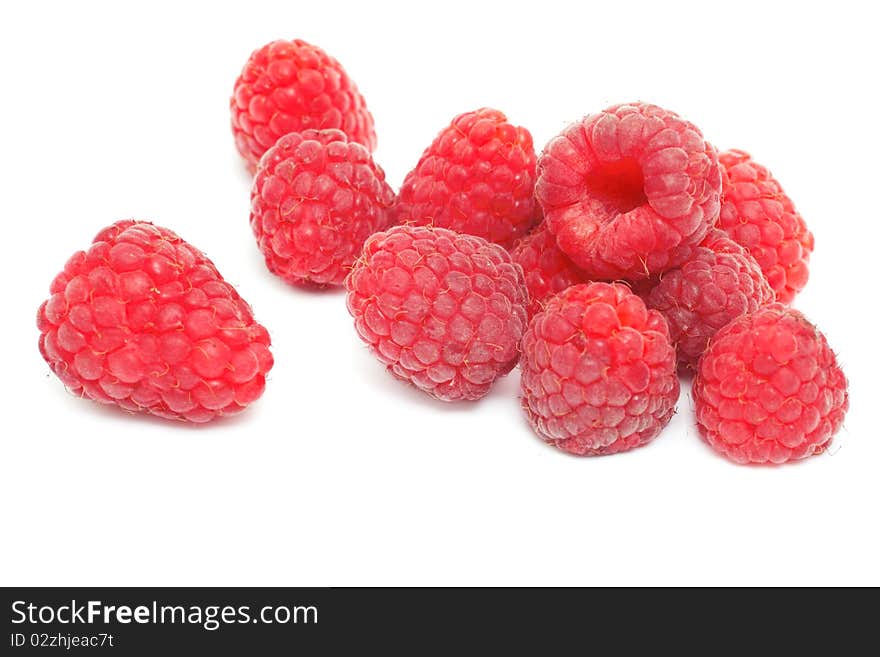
point(626, 255)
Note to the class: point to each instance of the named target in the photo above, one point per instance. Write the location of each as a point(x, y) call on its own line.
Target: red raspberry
point(316, 198)
point(717, 283)
point(290, 86)
point(143, 320)
point(623, 189)
point(476, 177)
point(768, 388)
point(442, 310)
point(547, 269)
point(758, 214)
point(598, 371)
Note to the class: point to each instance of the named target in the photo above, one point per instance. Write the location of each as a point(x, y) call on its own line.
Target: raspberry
point(768, 388)
point(756, 212)
point(598, 371)
point(476, 177)
point(442, 310)
point(623, 189)
point(717, 283)
point(316, 198)
point(143, 320)
point(546, 268)
point(290, 86)
point(642, 287)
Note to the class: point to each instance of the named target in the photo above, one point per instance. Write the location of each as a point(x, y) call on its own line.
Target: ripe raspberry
point(756, 212)
point(316, 198)
point(622, 190)
point(717, 283)
point(768, 388)
point(290, 86)
point(143, 320)
point(546, 268)
point(643, 287)
point(598, 371)
point(442, 310)
point(476, 177)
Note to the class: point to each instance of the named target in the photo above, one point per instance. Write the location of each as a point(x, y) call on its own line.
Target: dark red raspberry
point(476, 177)
point(546, 268)
point(756, 212)
point(769, 389)
point(716, 284)
point(622, 190)
point(442, 310)
point(598, 371)
point(143, 320)
point(290, 86)
point(643, 287)
point(316, 198)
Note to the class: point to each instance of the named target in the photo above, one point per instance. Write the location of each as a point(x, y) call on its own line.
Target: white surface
point(340, 475)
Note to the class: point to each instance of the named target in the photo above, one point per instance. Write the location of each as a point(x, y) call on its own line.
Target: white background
point(339, 474)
